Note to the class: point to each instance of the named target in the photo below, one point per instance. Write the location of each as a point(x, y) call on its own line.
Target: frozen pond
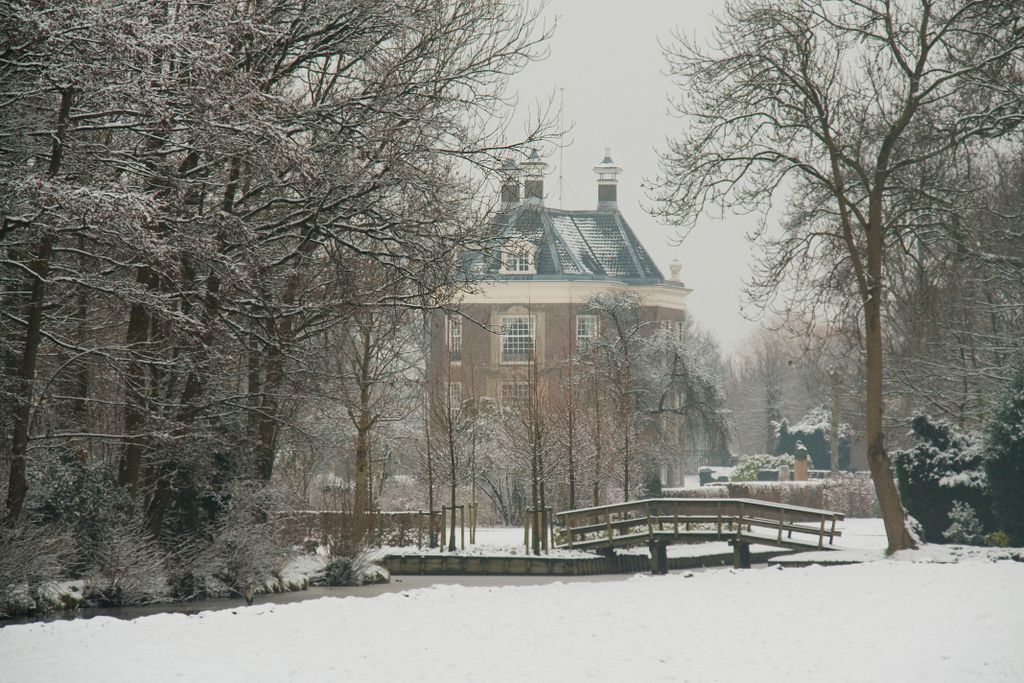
point(857, 533)
point(398, 584)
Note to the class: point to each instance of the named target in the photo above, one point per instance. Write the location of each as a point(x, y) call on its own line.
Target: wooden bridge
point(658, 522)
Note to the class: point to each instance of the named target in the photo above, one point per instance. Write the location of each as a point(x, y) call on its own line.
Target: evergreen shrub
point(749, 465)
point(1004, 462)
point(814, 432)
point(944, 468)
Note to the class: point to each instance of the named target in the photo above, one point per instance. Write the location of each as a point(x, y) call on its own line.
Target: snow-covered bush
point(1004, 464)
point(130, 568)
point(964, 525)
point(749, 465)
point(80, 495)
point(31, 557)
point(244, 551)
point(944, 467)
point(345, 571)
point(814, 431)
point(997, 539)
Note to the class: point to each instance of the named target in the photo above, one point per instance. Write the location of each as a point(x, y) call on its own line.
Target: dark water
point(397, 585)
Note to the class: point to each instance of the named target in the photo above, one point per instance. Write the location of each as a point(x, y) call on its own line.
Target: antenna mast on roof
point(561, 141)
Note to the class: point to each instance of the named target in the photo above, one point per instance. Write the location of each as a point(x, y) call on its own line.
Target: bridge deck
point(696, 520)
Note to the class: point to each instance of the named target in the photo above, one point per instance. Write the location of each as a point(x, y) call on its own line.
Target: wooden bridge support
point(740, 554)
point(659, 557)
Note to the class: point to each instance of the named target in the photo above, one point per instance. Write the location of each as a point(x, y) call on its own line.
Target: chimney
point(509, 183)
point(533, 179)
point(607, 183)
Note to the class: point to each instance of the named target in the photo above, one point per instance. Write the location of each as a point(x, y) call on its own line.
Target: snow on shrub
point(245, 551)
point(749, 465)
point(354, 571)
point(1004, 464)
point(814, 431)
point(945, 467)
point(965, 527)
point(852, 494)
point(31, 559)
point(129, 568)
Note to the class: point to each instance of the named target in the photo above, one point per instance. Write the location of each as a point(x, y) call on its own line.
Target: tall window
point(455, 395)
point(514, 393)
point(455, 339)
point(586, 330)
point(674, 328)
point(517, 338)
point(675, 400)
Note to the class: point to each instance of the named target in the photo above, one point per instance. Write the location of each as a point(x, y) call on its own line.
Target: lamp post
point(835, 380)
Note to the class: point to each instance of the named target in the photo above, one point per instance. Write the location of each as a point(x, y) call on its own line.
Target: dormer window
point(518, 258)
point(520, 262)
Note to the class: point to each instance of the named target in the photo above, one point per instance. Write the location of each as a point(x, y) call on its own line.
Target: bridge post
point(740, 554)
point(659, 557)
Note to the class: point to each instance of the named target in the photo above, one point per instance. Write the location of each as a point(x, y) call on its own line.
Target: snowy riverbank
point(885, 620)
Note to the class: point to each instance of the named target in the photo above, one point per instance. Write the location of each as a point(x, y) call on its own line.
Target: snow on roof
point(592, 244)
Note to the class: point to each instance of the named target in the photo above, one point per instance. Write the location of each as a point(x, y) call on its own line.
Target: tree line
point(884, 128)
point(201, 201)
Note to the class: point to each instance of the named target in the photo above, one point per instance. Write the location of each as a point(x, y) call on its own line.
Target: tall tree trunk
point(17, 483)
point(571, 426)
point(363, 422)
point(137, 339)
point(452, 463)
point(598, 445)
point(361, 500)
point(267, 417)
point(893, 515)
point(535, 492)
point(627, 423)
point(430, 477)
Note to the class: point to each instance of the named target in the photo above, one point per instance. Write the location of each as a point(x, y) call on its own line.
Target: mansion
point(528, 311)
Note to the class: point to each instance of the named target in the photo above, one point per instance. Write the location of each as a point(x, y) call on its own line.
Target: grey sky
point(605, 55)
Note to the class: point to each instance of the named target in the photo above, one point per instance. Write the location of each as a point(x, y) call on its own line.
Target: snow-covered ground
point(884, 620)
point(944, 613)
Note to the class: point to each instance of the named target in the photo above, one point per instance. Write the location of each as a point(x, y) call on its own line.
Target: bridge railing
point(661, 519)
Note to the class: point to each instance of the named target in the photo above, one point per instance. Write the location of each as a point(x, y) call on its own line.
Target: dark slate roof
point(570, 245)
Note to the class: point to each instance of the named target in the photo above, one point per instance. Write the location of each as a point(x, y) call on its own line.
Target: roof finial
point(534, 169)
point(607, 182)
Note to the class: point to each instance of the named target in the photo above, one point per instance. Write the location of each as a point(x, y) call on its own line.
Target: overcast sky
point(606, 59)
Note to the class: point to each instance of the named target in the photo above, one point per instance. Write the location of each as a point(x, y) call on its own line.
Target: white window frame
point(585, 340)
point(454, 335)
point(519, 257)
point(512, 394)
point(673, 327)
point(455, 396)
point(509, 322)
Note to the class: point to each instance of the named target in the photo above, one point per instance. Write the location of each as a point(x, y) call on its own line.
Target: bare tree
point(209, 188)
point(528, 421)
point(660, 382)
point(844, 105)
